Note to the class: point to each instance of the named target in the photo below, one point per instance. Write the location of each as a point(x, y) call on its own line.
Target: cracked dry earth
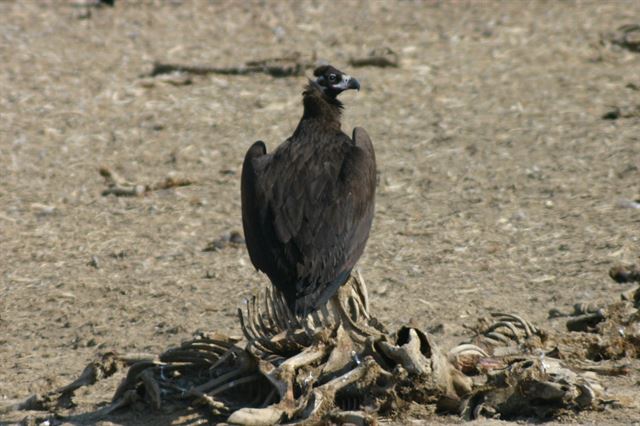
point(507, 141)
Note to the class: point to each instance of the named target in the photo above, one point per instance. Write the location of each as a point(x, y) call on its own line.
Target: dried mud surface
point(502, 187)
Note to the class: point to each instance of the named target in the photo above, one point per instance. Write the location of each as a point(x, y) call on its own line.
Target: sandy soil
point(501, 186)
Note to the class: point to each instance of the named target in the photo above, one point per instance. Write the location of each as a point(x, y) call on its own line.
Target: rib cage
point(270, 327)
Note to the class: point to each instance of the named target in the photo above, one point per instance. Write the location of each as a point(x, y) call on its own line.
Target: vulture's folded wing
point(338, 211)
point(253, 202)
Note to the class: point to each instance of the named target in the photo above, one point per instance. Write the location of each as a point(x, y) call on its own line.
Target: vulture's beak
point(353, 84)
point(348, 82)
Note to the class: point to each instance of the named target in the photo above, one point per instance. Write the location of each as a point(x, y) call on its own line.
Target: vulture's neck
point(319, 109)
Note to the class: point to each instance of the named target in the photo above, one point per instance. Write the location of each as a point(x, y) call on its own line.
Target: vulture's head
point(332, 81)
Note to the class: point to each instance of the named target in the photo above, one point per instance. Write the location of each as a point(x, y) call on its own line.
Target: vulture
point(307, 207)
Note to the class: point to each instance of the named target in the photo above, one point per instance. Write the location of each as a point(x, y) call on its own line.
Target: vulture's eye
point(332, 78)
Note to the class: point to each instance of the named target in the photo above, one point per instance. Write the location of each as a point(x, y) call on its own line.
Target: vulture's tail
point(307, 303)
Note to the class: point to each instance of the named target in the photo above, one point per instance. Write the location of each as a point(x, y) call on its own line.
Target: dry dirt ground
point(501, 185)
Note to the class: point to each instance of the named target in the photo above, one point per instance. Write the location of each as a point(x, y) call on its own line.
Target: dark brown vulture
point(307, 207)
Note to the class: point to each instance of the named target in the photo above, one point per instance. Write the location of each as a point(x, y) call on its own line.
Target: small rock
point(215, 245)
point(624, 203)
point(198, 202)
point(176, 79)
point(83, 14)
point(236, 238)
point(518, 216)
point(228, 238)
point(614, 114)
point(280, 33)
point(94, 262)
point(557, 313)
point(625, 273)
point(436, 329)
point(627, 111)
point(543, 279)
point(534, 172)
point(42, 210)
point(585, 322)
point(119, 255)
point(629, 170)
point(147, 82)
point(380, 290)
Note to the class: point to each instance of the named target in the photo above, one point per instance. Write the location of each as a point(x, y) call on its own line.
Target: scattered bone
point(578, 309)
point(170, 182)
point(381, 57)
point(614, 333)
point(586, 321)
point(305, 370)
point(341, 365)
point(505, 333)
point(532, 387)
point(120, 187)
point(42, 210)
point(287, 66)
point(627, 37)
point(356, 418)
point(632, 296)
point(297, 370)
point(105, 367)
point(603, 368)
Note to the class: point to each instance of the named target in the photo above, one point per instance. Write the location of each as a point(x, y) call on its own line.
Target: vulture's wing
point(253, 202)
